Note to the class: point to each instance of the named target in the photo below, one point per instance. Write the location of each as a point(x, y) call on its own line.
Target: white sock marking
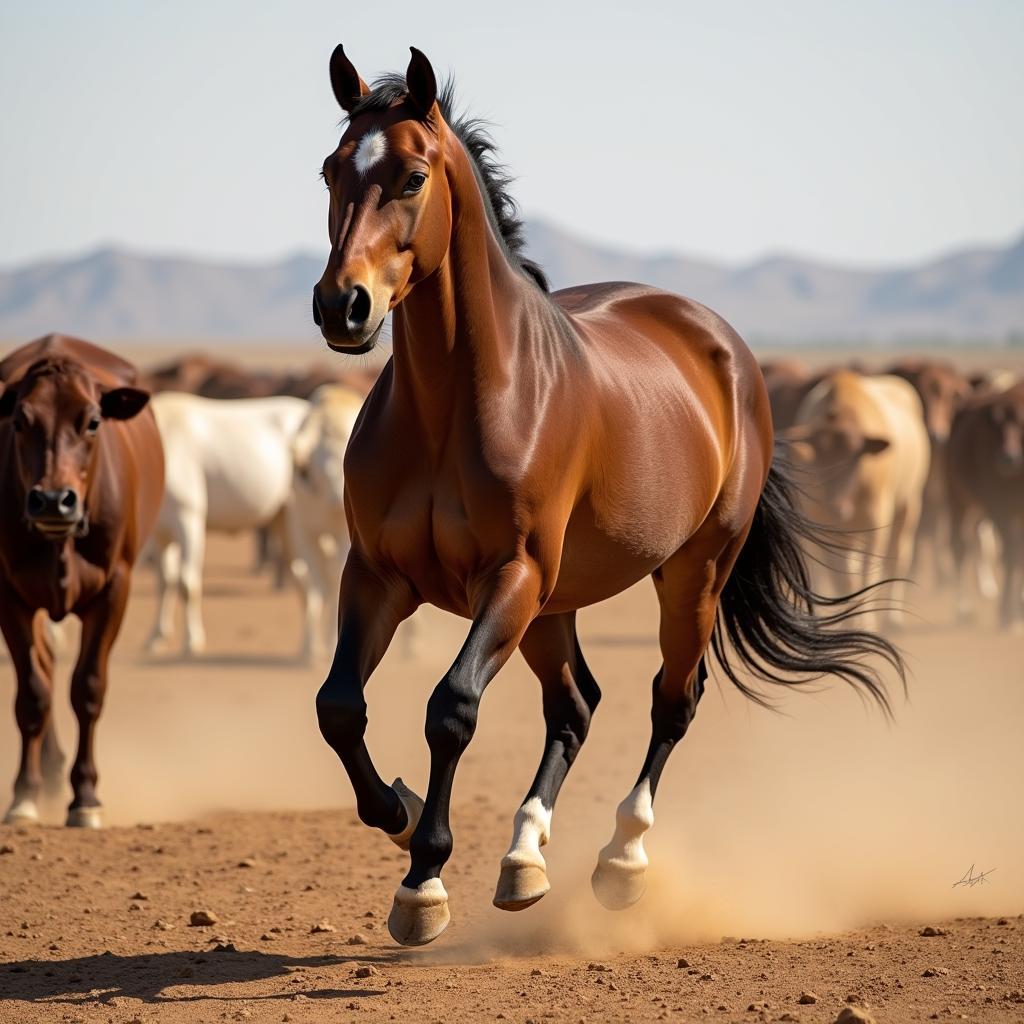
point(633, 817)
point(531, 830)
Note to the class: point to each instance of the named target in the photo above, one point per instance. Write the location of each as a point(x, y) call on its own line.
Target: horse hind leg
point(688, 587)
point(571, 694)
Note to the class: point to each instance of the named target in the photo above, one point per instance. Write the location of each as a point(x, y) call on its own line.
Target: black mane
point(494, 179)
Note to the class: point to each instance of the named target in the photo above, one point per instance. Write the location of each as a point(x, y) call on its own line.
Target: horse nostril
point(358, 307)
point(67, 503)
point(35, 502)
point(317, 317)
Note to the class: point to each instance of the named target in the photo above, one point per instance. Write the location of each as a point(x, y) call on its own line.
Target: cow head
point(1007, 416)
point(56, 412)
point(831, 450)
point(941, 389)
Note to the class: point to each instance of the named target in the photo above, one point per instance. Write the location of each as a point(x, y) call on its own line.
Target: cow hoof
point(413, 809)
point(419, 915)
point(85, 817)
point(158, 644)
point(618, 884)
point(22, 812)
point(520, 886)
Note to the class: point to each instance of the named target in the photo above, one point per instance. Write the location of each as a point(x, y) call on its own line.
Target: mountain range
point(971, 295)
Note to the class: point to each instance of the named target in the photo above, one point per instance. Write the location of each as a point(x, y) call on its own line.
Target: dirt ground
point(799, 852)
point(821, 837)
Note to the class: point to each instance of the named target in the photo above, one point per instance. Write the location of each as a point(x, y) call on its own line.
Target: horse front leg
point(571, 694)
point(420, 910)
point(372, 606)
point(101, 623)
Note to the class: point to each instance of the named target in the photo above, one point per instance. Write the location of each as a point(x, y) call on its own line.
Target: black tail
point(779, 629)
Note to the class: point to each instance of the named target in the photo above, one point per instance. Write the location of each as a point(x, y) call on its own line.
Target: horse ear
point(7, 400)
point(348, 87)
point(122, 403)
point(421, 83)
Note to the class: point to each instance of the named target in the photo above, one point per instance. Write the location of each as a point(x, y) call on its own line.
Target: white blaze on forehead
point(370, 151)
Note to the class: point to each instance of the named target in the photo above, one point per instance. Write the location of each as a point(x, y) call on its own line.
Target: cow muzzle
point(56, 514)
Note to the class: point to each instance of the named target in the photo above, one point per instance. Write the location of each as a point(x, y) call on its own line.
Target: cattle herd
point(924, 464)
point(102, 466)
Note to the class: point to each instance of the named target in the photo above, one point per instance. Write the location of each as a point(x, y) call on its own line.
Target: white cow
point(229, 467)
point(317, 529)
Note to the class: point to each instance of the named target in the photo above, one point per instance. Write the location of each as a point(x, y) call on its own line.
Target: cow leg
point(305, 563)
point(571, 694)
point(101, 623)
point(168, 581)
point(33, 666)
point(962, 521)
point(193, 549)
point(987, 548)
point(371, 609)
point(902, 538)
point(420, 909)
point(1009, 530)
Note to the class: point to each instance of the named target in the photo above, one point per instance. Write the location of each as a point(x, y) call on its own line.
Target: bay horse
point(525, 454)
point(81, 475)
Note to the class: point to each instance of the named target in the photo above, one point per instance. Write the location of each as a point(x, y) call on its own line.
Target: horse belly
point(597, 565)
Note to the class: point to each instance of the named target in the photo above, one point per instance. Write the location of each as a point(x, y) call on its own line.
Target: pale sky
point(867, 131)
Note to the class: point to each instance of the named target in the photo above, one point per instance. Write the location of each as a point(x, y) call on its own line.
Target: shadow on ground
point(106, 976)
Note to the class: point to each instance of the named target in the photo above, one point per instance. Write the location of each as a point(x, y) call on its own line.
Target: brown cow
point(986, 480)
point(81, 474)
point(788, 382)
point(942, 389)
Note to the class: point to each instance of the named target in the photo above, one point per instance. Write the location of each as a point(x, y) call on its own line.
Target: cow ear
point(802, 451)
point(123, 403)
point(874, 445)
point(421, 83)
point(348, 87)
point(7, 400)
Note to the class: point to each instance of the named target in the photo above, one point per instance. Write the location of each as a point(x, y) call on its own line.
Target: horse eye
point(416, 181)
point(93, 425)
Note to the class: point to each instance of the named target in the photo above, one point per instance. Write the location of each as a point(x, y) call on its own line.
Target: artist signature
point(971, 879)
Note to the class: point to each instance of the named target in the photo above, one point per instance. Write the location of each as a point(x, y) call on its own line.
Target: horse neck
point(457, 334)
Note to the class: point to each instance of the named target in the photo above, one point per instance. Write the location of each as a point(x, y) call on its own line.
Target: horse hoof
point(520, 886)
point(22, 812)
point(85, 817)
point(418, 916)
point(618, 884)
point(413, 809)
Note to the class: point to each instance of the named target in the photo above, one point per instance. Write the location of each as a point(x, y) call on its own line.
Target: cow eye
point(92, 424)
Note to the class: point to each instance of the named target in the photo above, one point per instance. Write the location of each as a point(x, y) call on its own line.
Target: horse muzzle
point(347, 319)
